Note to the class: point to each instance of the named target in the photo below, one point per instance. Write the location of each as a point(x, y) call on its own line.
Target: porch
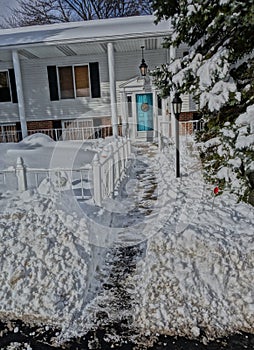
point(95, 132)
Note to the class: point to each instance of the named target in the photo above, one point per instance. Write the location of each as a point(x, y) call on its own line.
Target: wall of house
point(36, 91)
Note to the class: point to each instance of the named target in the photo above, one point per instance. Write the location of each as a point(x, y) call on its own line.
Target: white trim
point(101, 30)
point(112, 86)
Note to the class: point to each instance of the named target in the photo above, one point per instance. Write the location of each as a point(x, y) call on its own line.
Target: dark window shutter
point(95, 79)
point(52, 79)
point(13, 86)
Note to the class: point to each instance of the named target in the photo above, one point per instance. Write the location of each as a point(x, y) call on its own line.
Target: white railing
point(66, 134)
point(186, 128)
point(22, 178)
point(10, 136)
point(108, 169)
point(190, 127)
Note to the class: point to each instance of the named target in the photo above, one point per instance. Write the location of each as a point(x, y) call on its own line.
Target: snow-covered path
point(196, 273)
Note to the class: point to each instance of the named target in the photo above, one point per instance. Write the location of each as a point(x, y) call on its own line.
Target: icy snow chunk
point(236, 162)
point(228, 133)
point(245, 141)
point(45, 187)
point(212, 142)
point(195, 331)
point(191, 9)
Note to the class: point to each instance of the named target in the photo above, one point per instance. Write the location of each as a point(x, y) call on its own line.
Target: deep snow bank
point(198, 270)
point(44, 258)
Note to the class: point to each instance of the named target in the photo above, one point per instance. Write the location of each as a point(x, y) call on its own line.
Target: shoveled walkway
point(122, 218)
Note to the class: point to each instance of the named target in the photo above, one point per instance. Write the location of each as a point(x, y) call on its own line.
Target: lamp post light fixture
point(143, 66)
point(177, 107)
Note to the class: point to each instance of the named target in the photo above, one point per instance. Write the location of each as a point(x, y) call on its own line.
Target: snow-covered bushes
point(229, 157)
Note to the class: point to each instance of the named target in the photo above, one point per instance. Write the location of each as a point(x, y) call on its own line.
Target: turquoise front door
point(144, 103)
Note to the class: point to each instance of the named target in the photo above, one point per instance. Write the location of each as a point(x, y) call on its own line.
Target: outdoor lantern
point(177, 105)
point(143, 66)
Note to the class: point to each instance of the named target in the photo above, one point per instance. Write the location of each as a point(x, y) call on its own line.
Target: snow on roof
point(84, 31)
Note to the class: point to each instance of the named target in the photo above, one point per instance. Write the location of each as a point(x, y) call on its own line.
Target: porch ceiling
point(80, 49)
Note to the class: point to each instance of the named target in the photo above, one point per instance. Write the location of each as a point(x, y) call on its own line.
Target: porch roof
point(74, 38)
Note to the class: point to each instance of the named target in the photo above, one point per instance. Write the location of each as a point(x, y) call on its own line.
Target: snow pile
point(40, 151)
point(37, 139)
point(198, 270)
point(192, 272)
point(44, 258)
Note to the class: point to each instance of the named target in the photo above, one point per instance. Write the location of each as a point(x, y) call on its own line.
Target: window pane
point(129, 108)
point(82, 81)
point(66, 82)
point(5, 94)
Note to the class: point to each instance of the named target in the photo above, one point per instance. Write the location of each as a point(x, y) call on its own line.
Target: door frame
point(133, 87)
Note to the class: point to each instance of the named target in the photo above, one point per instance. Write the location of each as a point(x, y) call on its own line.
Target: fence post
point(97, 180)
point(129, 146)
point(111, 169)
point(21, 175)
point(126, 150)
point(116, 161)
point(121, 154)
point(159, 137)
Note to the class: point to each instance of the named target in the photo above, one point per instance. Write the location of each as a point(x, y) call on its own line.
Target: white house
point(83, 75)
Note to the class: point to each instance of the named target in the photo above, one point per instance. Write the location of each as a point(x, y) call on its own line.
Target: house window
point(5, 92)
point(66, 82)
point(82, 81)
point(74, 81)
point(129, 106)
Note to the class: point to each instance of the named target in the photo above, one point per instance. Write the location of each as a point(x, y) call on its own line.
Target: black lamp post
point(177, 106)
point(143, 66)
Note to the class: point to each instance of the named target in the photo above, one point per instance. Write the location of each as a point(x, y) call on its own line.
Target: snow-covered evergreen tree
point(219, 72)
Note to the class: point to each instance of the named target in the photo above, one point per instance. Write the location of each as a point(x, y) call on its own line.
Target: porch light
point(177, 107)
point(143, 66)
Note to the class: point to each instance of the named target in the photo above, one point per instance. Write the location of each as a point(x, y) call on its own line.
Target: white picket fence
point(99, 179)
point(109, 167)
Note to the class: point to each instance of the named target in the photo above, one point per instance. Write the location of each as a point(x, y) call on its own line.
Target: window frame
point(8, 84)
point(74, 80)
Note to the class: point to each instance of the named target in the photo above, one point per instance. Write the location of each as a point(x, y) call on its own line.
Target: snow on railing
point(108, 168)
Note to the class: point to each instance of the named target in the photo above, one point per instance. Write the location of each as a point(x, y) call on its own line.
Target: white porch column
point(172, 52)
point(20, 94)
point(112, 83)
point(165, 118)
point(155, 115)
point(124, 113)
